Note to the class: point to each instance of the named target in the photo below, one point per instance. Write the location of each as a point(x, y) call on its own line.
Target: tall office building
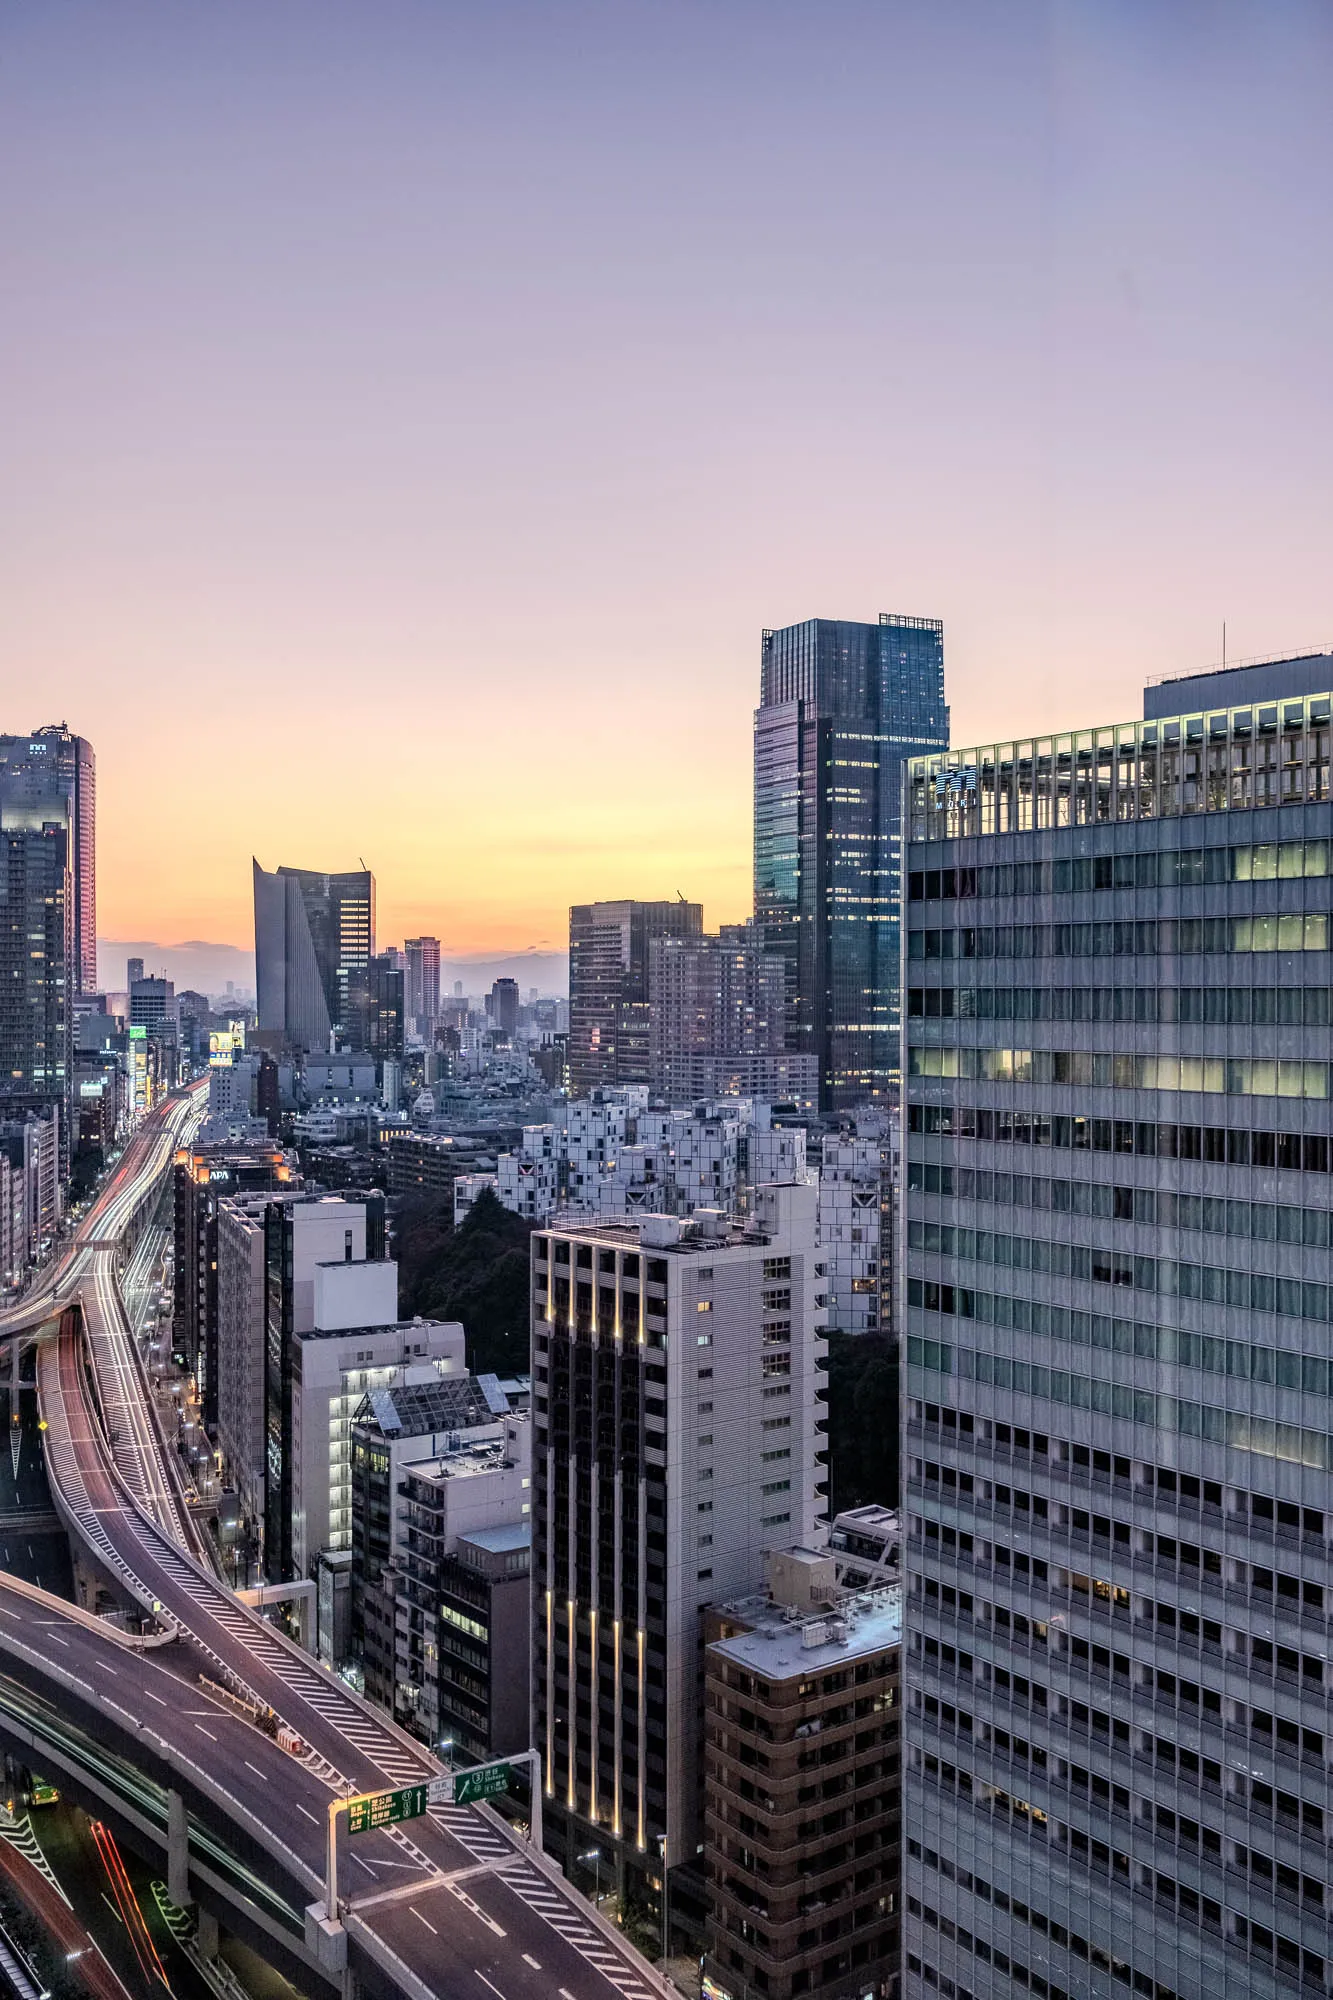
point(422, 995)
point(608, 986)
point(503, 1006)
point(717, 1012)
point(36, 772)
point(1118, 1447)
point(840, 706)
point(36, 945)
point(375, 1008)
point(313, 934)
point(677, 1438)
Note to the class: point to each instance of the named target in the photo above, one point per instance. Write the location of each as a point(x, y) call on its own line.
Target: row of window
point(1252, 1291)
point(1149, 937)
point(1211, 1215)
point(1177, 1347)
point(1222, 1145)
point(1263, 1436)
point(1186, 1006)
point(1170, 868)
point(1103, 1070)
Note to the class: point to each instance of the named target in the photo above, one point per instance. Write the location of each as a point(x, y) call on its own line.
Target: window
point(704, 1306)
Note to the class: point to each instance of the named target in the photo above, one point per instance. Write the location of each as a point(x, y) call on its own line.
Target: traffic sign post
point(488, 1781)
point(366, 1812)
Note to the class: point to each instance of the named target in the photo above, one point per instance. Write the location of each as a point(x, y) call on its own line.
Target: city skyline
point(1068, 285)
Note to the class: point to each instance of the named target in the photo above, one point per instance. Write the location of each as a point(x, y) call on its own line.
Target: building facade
point(609, 1022)
point(314, 935)
point(802, 1830)
point(1118, 1447)
point(53, 768)
point(678, 1372)
point(36, 967)
point(841, 705)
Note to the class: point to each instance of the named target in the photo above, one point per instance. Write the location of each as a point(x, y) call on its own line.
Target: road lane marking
point(528, 1959)
point(205, 1732)
point(488, 1982)
point(157, 1698)
point(253, 1767)
point(422, 1920)
point(309, 1815)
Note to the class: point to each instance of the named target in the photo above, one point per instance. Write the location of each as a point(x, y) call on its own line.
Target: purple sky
point(412, 413)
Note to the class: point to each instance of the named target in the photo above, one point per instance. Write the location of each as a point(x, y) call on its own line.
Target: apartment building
point(678, 1436)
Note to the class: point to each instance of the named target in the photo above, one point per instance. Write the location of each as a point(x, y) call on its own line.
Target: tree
point(863, 1420)
point(477, 1273)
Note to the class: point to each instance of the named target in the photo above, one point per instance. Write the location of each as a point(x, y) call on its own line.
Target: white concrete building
point(851, 1236)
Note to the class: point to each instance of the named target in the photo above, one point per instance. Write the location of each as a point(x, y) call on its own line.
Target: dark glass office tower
point(36, 771)
point(841, 705)
point(36, 946)
point(1118, 1451)
point(314, 937)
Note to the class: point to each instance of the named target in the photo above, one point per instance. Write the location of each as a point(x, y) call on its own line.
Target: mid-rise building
point(853, 1202)
point(30, 1188)
point(203, 1178)
point(802, 1827)
point(474, 1426)
point(678, 1420)
point(502, 1006)
point(718, 1021)
point(609, 1021)
point(375, 1009)
point(1118, 1447)
point(841, 705)
point(461, 1596)
point(314, 934)
point(54, 773)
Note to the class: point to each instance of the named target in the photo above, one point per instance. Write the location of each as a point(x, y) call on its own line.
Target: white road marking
point(157, 1698)
point(488, 1982)
point(253, 1767)
point(205, 1732)
point(309, 1815)
point(528, 1959)
point(423, 1920)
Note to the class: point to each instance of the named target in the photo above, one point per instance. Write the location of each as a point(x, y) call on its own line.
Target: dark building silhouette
point(313, 935)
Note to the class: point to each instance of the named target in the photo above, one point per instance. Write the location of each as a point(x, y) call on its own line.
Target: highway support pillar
point(206, 1933)
point(178, 1852)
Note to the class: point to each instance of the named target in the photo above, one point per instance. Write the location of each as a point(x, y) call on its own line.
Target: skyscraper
point(313, 934)
point(504, 1006)
point(840, 706)
point(608, 986)
point(36, 943)
point(35, 771)
point(1118, 1446)
point(423, 984)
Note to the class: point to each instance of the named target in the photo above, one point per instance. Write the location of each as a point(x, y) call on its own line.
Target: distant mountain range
point(206, 967)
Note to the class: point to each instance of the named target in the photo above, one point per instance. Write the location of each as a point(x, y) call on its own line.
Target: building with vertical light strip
point(678, 1436)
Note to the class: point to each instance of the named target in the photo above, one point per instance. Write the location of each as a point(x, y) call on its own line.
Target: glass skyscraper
point(841, 705)
point(1118, 1442)
point(314, 940)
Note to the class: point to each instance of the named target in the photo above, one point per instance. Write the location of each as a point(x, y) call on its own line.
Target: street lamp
point(447, 1748)
point(594, 1855)
point(666, 1922)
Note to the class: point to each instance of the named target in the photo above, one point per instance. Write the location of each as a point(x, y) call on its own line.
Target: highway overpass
point(449, 1906)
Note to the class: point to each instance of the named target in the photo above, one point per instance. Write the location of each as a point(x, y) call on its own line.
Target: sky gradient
point(412, 413)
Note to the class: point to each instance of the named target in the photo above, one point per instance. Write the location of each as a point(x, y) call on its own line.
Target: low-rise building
point(396, 1430)
point(802, 1823)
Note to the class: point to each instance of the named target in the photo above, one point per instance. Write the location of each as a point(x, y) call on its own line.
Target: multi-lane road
point(450, 1904)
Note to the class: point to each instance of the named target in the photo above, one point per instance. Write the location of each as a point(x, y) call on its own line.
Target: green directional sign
point(490, 1782)
point(385, 1808)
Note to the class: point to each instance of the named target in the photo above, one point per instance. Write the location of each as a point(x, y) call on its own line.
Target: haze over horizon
point(414, 415)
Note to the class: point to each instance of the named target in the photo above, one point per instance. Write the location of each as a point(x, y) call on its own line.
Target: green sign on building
point(490, 1782)
point(385, 1808)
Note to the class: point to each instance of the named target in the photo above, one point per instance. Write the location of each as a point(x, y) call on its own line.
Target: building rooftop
point(778, 1644)
point(418, 1409)
point(1166, 766)
point(501, 1541)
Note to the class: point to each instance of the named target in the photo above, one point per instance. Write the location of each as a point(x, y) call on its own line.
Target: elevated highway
point(451, 1904)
